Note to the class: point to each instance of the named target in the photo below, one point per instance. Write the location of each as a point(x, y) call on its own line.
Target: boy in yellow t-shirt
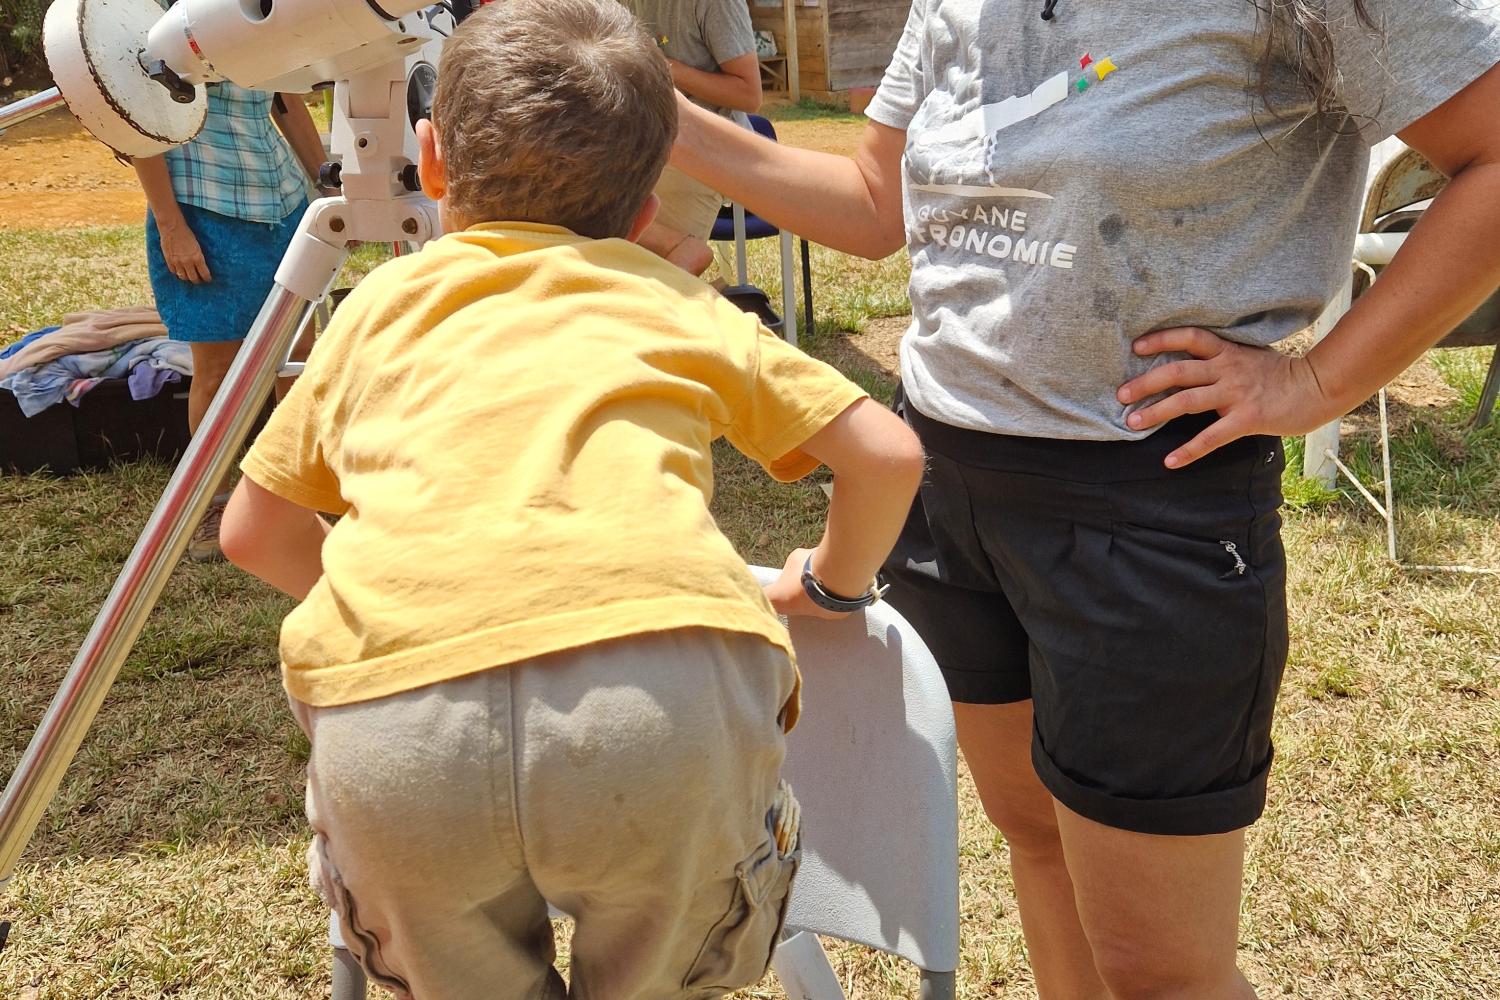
point(531, 667)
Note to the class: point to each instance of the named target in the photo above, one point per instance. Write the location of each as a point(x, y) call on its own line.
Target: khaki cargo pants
point(629, 783)
point(687, 205)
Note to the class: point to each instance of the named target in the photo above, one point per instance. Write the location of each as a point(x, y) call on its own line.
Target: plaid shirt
point(239, 165)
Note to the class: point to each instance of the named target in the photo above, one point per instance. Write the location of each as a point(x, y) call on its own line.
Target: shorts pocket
point(738, 950)
point(363, 945)
point(1224, 557)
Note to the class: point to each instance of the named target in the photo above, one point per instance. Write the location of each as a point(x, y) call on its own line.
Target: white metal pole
point(788, 291)
point(1321, 446)
point(119, 622)
point(29, 107)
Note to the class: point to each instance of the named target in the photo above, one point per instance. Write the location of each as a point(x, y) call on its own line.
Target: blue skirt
point(242, 258)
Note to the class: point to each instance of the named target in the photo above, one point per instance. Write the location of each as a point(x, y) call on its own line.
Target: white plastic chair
point(1400, 185)
point(874, 765)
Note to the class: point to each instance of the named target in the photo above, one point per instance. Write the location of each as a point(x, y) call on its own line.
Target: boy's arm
point(272, 538)
point(877, 464)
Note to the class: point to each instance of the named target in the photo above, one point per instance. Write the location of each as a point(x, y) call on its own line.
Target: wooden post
point(793, 73)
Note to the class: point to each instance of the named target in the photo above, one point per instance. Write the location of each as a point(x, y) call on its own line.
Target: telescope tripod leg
point(307, 270)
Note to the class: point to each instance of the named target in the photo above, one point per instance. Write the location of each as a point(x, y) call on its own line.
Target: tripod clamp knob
point(158, 70)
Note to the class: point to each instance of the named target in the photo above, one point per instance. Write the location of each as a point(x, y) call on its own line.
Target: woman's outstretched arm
point(852, 204)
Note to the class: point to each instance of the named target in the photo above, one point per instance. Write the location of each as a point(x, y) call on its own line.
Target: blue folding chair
point(735, 224)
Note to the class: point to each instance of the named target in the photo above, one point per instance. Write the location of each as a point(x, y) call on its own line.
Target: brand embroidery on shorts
point(1239, 562)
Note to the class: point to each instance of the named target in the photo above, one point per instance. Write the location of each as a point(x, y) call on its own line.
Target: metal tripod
point(370, 132)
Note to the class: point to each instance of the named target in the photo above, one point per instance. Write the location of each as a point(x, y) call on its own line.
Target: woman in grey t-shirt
point(1104, 203)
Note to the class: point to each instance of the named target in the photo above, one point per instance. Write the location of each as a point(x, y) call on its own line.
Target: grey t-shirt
point(703, 34)
point(1071, 185)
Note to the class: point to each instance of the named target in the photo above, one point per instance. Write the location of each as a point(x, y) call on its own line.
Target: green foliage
point(21, 29)
point(808, 109)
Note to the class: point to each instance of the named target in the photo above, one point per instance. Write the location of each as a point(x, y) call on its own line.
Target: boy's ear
point(432, 169)
point(644, 217)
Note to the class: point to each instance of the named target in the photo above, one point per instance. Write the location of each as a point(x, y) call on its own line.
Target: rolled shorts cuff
point(987, 687)
point(1221, 811)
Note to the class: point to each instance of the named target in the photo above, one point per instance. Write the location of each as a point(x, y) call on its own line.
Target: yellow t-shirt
point(515, 425)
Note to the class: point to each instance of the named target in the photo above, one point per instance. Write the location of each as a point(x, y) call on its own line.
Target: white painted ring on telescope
point(93, 49)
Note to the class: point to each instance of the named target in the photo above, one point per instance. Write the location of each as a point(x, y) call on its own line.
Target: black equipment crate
point(107, 426)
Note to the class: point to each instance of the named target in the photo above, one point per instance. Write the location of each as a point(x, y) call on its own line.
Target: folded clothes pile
point(63, 363)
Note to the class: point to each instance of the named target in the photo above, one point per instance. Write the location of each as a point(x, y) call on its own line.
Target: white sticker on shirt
point(980, 191)
point(992, 118)
point(963, 169)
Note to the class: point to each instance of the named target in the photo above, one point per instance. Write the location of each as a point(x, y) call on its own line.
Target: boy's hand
point(787, 595)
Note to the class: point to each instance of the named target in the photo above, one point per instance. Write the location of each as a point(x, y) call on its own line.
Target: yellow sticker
point(1104, 67)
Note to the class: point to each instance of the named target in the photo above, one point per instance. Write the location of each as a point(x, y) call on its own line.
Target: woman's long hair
point(1300, 29)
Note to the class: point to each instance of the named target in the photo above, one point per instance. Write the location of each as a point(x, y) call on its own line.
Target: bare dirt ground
point(875, 349)
point(54, 175)
point(1413, 394)
point(824, 136)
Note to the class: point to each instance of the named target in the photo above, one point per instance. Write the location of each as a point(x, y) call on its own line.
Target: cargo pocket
point(363, 945)
point(738, 950)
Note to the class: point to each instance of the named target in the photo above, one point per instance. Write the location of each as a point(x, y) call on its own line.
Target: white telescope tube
point(268, 44)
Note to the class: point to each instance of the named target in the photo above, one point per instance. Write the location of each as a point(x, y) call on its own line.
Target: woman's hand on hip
point(183, 254)
point(1255, 390)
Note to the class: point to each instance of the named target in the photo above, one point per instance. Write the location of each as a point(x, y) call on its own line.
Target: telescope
point(135, 75)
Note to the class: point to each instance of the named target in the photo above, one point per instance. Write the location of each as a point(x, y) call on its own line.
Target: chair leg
point(1319, 444)
point(807, 323)
point(939, 985)
point(348, 977)
point(788, 291)
point(1385, 471)
point(1489, 394)
point(741, 261)
point(803, 969)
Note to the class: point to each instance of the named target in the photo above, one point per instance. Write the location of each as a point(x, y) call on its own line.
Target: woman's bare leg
point(1161, 913)
point(996, 741)
point(211, 361)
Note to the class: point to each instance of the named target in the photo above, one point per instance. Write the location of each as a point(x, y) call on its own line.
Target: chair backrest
point(1401, 178)
point(874, 764)
point(762, 126)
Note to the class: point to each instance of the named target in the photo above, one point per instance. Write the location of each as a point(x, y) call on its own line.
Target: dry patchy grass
point(170, 864)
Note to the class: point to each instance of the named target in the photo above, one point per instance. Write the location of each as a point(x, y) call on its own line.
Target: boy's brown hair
point(553, 111)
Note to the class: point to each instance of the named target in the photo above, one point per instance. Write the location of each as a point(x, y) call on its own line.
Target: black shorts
point(1142, 610)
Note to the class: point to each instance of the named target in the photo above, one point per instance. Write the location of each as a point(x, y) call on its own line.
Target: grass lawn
point(171, 862)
